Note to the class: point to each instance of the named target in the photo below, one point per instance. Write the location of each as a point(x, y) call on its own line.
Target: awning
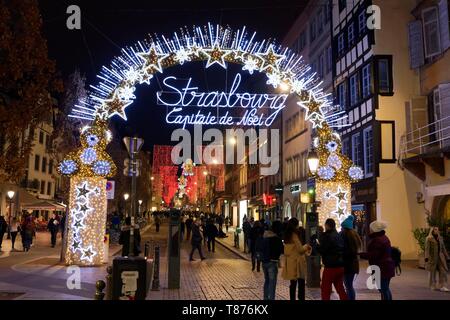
point(44, 205)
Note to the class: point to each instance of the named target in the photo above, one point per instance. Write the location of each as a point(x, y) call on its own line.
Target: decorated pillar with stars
point(335, 174)
point(88, 167)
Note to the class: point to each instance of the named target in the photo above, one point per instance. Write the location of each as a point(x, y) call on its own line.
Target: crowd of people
point(339, 252)
point(26, 226)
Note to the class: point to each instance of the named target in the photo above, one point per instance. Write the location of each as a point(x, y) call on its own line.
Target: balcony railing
point(432, 137)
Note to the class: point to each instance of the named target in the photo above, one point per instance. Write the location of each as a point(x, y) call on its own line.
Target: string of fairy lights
point(218, 46)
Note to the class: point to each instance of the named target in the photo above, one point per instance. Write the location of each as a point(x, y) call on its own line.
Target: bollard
point(100, 286)
point(109, 283)
point(155, 282)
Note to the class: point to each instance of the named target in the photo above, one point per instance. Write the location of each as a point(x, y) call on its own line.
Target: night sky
point(107, 26)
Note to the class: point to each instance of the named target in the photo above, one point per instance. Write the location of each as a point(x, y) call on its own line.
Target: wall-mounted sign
point(215, 107)
point(295, 188)
point(110, 186)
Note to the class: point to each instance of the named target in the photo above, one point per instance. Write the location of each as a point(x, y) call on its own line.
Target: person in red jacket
point(379, 254)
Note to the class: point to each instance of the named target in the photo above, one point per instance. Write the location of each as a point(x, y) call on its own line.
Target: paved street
point(225, 275)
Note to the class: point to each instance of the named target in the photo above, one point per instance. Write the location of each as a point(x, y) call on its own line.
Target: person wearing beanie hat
point(348, 222)
point(352, 245)
point(379, 254)
point(378, 226)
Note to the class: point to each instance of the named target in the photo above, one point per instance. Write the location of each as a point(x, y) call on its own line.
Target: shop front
point(364, 197)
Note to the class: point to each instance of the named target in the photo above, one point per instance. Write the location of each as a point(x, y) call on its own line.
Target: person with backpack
point(295, 252)
point(272, 248)
point(331, 248)
point(53, 227)
point(352, 245)
point(379, 253)
point(436, 257)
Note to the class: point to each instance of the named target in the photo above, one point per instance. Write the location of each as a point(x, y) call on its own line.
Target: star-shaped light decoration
point(317, 120)
point(117, 106)
point(83, 191)
point(76, 244)
point(339, 212)
point(216, 55)
point(84, 208)
point(239, 55)
point(270, 59)
point(126, 93)
point(152, 59)
point(132, 75)
point(310, 104)
point(145, 76)
point(341, 195)
point(88, 254)
point(194, 50)
point(78, 223)
point(101, 112)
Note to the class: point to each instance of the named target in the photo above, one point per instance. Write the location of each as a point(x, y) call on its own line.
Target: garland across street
point(90, 165)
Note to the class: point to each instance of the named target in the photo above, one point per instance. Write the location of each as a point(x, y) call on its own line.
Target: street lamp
point(125, 197)
point(313, 162)
point(313, 261)
point(205, 173)
point(10, 194)
point(140, 203)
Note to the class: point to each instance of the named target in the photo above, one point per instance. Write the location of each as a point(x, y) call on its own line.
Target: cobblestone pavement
point(225, 275)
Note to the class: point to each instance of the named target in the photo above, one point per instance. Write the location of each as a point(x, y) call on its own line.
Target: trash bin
point(131, 278)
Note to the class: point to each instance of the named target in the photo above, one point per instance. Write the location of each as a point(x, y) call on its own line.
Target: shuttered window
point(416, 54)
point(430, 18)
point(444, 24)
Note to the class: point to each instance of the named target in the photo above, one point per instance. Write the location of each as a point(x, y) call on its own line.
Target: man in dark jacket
point(53, 226)
point(211, 234)
point(246, 227)
point(331, 248)
point(196, 241)
point(272, 248)
point(188, 223)
point(124, 239)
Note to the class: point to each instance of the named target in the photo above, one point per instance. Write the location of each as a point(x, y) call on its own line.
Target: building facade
point(426, 144)
point(310, 37)
point(373, 80)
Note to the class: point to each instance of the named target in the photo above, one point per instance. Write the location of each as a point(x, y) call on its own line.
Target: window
point(430, 18)
point(356, 149)
point(342, 92)
point(304, 164)
point(366, 85)
point(341, 44)
point(49, 188)
point(329, 59)
point(42, 187)
point(346, 147)
point(44, 164)
point(312, 30)
point(342, 5)
point(368, 151)
point(321, 65)
point(41, 137)
point(384, 76)
point(50, 167)
point(354, 92)
point(32, 133)
point(37, 161)
point(351, 34)
point(319, 21)
point(301, 41)
point(326, 16)
point(362, 23)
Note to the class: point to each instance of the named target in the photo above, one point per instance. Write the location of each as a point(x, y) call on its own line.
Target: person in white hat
point(379, 254)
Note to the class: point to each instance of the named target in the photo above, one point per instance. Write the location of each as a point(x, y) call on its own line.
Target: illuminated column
point(335, 201)
point(87, 220)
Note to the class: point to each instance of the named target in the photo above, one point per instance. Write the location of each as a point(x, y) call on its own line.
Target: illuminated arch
point(90, 165)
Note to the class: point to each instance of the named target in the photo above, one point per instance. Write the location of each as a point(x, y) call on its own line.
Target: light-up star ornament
point(152, 59)
point(270, 59)
point(216, 55)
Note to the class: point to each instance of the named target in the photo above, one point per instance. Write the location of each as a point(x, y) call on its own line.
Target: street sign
point(132, 167)
point(133, 145)
point(110, 187)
